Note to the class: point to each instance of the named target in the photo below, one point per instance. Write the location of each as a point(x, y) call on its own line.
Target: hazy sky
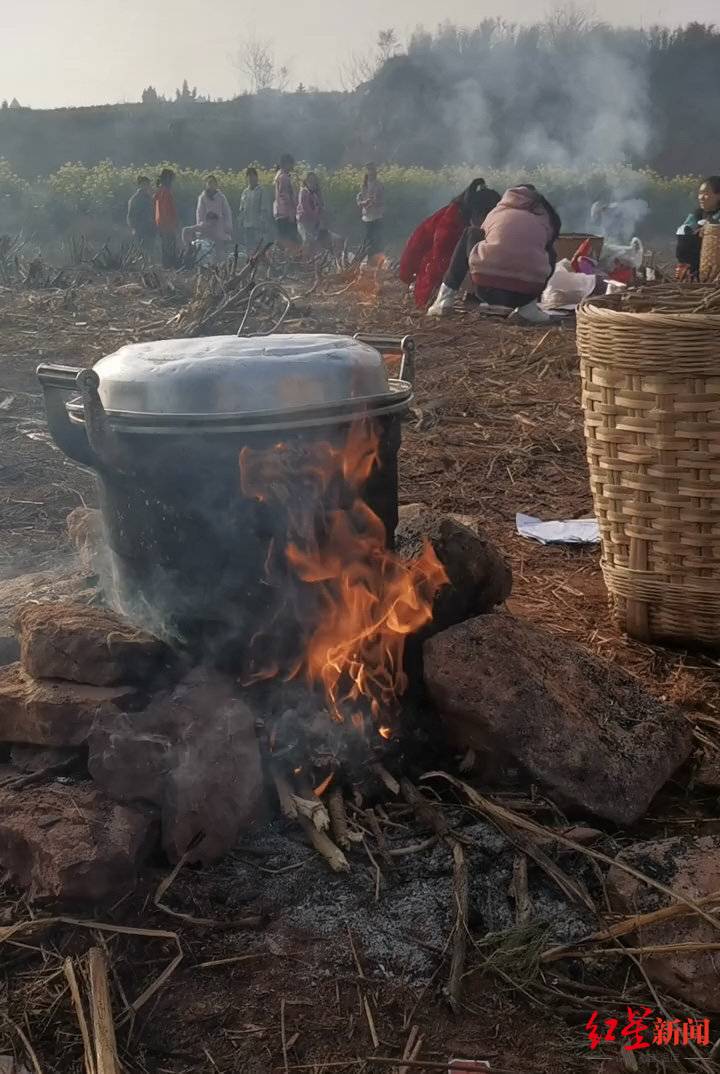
point(75, 52)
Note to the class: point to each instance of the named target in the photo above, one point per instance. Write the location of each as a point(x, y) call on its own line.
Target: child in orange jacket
point(166, 217)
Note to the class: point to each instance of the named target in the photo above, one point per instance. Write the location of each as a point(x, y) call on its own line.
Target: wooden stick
point(282, 1034)
point(519, 890)
point(69, 970)
point(288, 808)
point(412, 1048)
point(459, 942)
point(379, 837)
point(338, 818)
point(228, 961)
point(32, 1055)
point(106, 1057)
point(423, 809)
point(657, 949)
point(416, 1050)
point(358, 963)
point(412, 848)
point(314, 810)
point(376, 867)
point(632, 924)
point(17, 783)
point(496, 813)
point(370, 1022)
point(384, 776)
point(410, 1043)
point(422, 1064)
point(325, 846)
point(433, 818)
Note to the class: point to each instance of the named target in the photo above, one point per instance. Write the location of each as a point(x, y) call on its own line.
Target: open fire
point(353, 599)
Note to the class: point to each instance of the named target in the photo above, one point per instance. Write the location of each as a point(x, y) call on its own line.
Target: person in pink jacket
point(213, 216)
point(310, 212)
point(285, 202)
point(510, 258)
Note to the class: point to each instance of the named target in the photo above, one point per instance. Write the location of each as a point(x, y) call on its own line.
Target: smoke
point(569, 94)
point(471, 111)
point(600, 115)
point(618, 219)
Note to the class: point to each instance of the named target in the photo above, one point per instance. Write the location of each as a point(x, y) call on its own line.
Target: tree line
point(569, 91)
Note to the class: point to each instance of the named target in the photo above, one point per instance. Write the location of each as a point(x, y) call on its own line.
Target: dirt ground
point(496, 429)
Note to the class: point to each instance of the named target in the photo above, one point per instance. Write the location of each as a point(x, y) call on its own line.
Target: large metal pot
point(162, 425)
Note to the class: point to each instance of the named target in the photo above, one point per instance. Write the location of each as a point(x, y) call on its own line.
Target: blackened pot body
point(189, 549)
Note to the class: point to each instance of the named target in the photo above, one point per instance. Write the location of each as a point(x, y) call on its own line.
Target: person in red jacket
point(166, 218)
point(428, 251)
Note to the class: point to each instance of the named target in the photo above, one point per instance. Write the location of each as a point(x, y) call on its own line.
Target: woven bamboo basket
point(566, 246)
point(710, 253)
point(651, 400)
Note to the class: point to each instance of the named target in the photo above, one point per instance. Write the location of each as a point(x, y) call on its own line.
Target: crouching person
point(510, 258)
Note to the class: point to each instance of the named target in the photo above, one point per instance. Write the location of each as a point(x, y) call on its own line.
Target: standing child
point(213, 215)
point(371, 200)
point(310, 213)
point(252, 214)
point(166, 217)
point(141, 215)
point(285, 202)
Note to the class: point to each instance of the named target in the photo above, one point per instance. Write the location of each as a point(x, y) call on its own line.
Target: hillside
point(197, 134)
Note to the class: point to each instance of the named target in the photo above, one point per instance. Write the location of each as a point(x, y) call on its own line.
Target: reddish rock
point(69, 842)
point(479, 577)
point(690, 867)
point(193, 753)
point(131, 756)
point(61, 584)
point(49, 712)
point(586, 731)
point(86, 644)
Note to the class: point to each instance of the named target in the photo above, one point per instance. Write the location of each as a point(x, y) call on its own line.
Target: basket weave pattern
point(651, 400)
point(710, 253)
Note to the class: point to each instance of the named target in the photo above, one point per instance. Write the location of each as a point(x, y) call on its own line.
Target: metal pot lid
point(232, 375)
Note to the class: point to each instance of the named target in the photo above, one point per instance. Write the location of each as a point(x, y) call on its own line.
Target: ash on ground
point(404, 932)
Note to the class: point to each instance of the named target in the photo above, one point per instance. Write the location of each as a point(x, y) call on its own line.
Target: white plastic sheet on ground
point(572, 531)
point(566, 289)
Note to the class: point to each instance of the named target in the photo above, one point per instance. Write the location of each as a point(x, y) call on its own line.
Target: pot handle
point(106, 446)
point(70, 437)
point(392, 345)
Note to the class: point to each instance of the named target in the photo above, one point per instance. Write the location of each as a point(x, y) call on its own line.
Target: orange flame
point(322, 787)
point(369, 599)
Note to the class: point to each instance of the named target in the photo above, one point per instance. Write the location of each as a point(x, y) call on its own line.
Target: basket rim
point(598, 310)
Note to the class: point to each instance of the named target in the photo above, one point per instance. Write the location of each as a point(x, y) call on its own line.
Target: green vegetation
point(91, 200)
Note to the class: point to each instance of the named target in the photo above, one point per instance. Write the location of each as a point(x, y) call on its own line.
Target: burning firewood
point(338, 818)
point(325, 846)
point(288, 805)
point(314, 811)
